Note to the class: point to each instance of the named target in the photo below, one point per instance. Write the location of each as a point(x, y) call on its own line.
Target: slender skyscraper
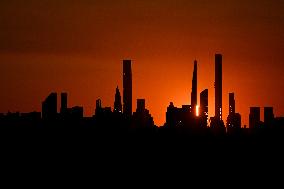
point(218, 86)
point(117, 102)
point(127, 88)
point(194, 89)
point(232, 103)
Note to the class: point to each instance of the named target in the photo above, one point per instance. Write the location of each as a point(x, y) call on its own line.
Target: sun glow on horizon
point(197, 110)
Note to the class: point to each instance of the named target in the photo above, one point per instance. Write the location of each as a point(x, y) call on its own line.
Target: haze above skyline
point(78, 47)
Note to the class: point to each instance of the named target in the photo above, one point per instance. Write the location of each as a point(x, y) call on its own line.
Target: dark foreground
point(67, 154)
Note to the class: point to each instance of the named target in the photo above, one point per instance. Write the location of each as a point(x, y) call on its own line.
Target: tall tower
point(127, 88)
point(218, 86)
point(117, 101)
point(194, 88)
point(232, 109)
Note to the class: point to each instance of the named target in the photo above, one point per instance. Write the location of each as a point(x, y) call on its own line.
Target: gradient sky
point(78, 47)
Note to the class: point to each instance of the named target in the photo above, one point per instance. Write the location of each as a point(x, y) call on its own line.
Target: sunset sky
point(78, 47)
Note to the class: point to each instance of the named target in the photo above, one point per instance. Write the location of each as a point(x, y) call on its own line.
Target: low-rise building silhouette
point(177, 116)
point(31, 116)
point(102, 112)
point(75, 113)
point(142, 117)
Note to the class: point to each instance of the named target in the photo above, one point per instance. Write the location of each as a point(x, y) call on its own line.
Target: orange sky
point(78, 47)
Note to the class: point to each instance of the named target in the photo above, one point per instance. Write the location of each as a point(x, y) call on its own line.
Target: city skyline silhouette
point(124, 104)
point(194, 116)
point(77, 46)
point(107, 91)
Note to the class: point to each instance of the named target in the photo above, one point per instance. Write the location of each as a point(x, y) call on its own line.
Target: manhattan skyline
point(78, 47)
point(190, 116)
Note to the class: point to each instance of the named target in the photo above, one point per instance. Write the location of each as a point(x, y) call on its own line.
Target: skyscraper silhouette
point(268, 115)
point(204, 107)
point(218, 86)
point(194, 88)
point(127, 88)
point(232, 103)
point(254, 117)
point(117, 101)
point(234, 120)
point(76, 113)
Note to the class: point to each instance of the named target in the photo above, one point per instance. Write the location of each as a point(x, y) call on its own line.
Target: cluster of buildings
point(187, 115)
point(193, 116)
point(141, 115)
